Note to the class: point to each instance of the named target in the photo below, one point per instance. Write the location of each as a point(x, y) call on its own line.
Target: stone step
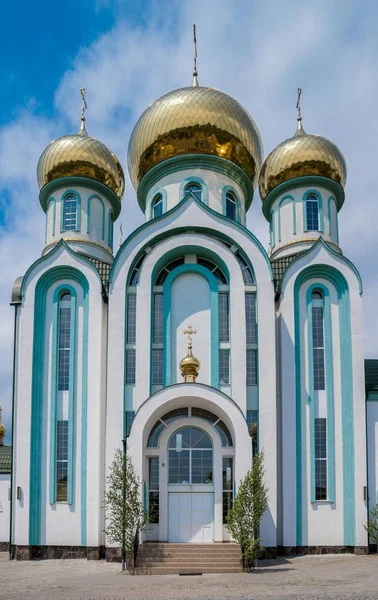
point(184, 571)
point(188, 561)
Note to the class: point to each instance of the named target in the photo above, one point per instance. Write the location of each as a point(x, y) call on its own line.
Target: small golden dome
point(194, 120)
point(190, 366)
point(300, 156)
point(79, 155)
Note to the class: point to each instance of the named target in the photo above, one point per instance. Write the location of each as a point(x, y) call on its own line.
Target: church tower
point(81, 186)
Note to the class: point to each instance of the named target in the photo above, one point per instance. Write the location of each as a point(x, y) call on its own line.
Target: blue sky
point(128, 53)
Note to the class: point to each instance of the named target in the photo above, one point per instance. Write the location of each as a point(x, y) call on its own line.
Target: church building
point(191, 344)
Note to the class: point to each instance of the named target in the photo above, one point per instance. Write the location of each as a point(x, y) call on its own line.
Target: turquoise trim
point(203, 230)
point(91, 184)
point(330, 199)
point(331, 251)
point(313, 192)
point(213, 283)
point(110, 229)
point(54, 218)
point(71, 394)
point(97, 197)
point(48, 256)
point(334, 276)
point(271, 230)
point(150, 208)
point(47, 219)
point(84, 426)
point(190, 162)
point(37, 389)
point(329, 386)
point(78, 210)
point(372, 396)
point(201, 182)
point(294, 229)
point(299, 182)
point(240, 217)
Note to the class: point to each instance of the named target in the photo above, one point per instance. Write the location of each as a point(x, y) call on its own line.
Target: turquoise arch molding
point(78, 210)
point(332, 275)
point(202, 230)
point(329, 381)
point(149, 207)
point(44, 283)
point(201, 182)
point(320, 209)
point(89, 201)
point(239, 208)
point(71, 394)
point(110, 228)
point(213, 284)
point(292, 200)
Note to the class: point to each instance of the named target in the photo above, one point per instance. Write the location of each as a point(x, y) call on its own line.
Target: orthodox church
point(191, 345)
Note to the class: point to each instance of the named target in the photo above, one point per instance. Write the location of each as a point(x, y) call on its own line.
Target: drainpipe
point(13, 427)
point(124, 501)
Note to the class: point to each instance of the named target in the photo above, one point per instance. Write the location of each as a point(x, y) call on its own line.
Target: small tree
point(125, 516)
point(372, 525)
point(243, 520)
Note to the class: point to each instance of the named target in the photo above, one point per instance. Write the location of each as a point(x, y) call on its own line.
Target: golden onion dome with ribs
point(302, 155)
point(195, 120)
point(80, 155)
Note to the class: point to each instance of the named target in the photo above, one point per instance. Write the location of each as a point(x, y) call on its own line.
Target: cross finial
point(195, 72)
point(1, 414)
point(299, 104)
point(189, 331)
point(84, 104)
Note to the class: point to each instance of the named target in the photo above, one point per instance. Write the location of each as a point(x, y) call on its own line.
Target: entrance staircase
point(188, 559)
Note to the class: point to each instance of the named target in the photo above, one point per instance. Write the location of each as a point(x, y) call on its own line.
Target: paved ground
point(302, 578)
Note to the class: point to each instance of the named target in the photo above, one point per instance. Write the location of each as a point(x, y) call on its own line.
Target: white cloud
point(257, 52)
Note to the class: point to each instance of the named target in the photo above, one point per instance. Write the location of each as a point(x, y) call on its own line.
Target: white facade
point(279, 339)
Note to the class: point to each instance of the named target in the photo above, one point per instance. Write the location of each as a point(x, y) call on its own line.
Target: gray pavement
point(301, 578)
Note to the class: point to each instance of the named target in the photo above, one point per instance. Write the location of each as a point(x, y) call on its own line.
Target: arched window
point(157, 206)
point(64, 341)
point(195, 189)
point(318, 340)
point(70, 213)
point(312, 213)
point(231, 206)
point(190, 457)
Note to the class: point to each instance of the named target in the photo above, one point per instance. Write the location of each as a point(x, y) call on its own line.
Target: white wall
point(4, 507)
point(372, 444)
point(289, 217)
point(213, 180)
point(190, 304)
point(93, 235)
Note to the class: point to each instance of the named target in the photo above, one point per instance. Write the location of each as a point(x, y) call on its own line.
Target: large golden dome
point(301, 155)
point(79, 155)
point(194, 120)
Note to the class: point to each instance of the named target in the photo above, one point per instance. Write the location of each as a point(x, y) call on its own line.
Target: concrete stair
point(186, 559)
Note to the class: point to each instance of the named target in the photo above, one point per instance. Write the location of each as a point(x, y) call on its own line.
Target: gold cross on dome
point(84, 104)
point(189, 331)
point(298, 107)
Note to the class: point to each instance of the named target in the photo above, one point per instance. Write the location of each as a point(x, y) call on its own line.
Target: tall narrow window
point(61, 460)
point(130, 366)
point(224, 366)
point(153, 491)
point(312, 212)
point(250, 318)
point(318, 340)
point(253, 428)
point(231, 206)
point(224, 327)
point(131, 318)
point(157, 206)
point(227, 485)
point(195, 189)
point(158, 324)
point(70, 213)
point(157, 373)
point(320, 459)
point(64, 341)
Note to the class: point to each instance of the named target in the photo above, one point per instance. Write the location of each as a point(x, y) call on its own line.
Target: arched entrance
point(178, 496)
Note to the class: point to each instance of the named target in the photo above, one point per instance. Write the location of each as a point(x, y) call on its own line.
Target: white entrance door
point(190, 517)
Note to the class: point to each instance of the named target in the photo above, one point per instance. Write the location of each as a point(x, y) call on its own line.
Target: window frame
point(64, 198)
